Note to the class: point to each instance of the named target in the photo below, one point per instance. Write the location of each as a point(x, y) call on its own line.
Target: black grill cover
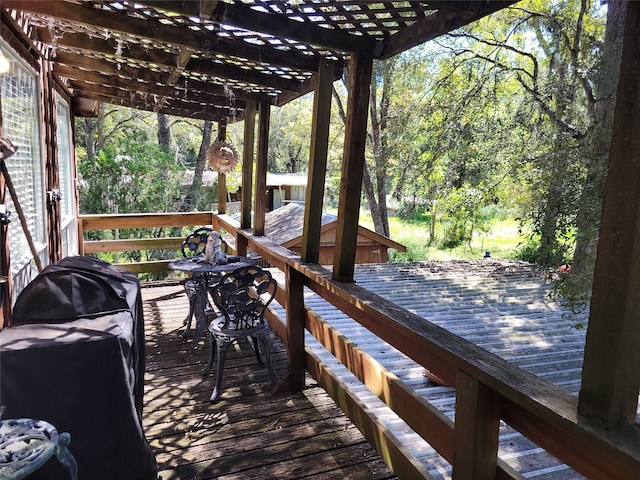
point(74, 356)
point(75, 287)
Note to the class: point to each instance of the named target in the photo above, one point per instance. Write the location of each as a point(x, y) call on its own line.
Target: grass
point(501, 241)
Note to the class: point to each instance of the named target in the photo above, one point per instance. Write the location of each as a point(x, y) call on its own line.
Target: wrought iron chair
point(242, 296)
point(194, 244)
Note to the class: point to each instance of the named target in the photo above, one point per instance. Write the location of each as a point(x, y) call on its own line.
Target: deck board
point(250, 432)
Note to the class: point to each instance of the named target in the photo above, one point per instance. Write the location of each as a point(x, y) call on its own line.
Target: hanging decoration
point(222, 156)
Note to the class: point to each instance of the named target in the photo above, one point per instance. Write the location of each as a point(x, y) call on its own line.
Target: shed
point(284, 226)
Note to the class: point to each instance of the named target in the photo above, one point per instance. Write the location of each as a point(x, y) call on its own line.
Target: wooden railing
point(488, 389)
point(138, 221)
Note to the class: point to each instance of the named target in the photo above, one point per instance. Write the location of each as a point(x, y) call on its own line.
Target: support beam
point(610, 374)
point(317, 163)
point(52, 169)
point(295, 328)
point(476, 429)
point(222, 177)
point(355, 134)
point(247, 164)
point(260, 207)
point(5, 256)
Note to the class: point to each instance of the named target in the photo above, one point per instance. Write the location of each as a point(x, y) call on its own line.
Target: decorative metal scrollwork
point(54, 196)
point(5, 215)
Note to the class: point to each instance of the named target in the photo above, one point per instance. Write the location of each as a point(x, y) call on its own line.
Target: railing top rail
point(144, 220)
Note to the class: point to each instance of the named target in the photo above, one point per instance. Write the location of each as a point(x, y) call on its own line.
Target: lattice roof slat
point(206, 59)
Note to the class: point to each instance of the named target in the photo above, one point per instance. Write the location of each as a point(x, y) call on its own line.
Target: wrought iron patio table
point(203, 271)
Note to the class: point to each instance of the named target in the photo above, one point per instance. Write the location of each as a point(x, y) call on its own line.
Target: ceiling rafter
point(440, 23)
point(203, 113)
point(191, 94)
point(241, 16)
point(152, 102)
point(111, 21)
point(197, 67)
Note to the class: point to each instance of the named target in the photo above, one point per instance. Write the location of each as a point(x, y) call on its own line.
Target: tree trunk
point(191, 199)
point(90, 127)
point(597, 146)
point(377, 195)
point(164, 131)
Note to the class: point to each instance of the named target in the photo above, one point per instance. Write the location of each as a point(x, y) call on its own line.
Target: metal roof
point(207, 58)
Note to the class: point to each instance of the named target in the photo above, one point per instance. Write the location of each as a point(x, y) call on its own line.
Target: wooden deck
point(250, 432)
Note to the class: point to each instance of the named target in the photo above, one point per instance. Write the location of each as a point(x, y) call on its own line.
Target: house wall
point(367, 251)
point(364, 254)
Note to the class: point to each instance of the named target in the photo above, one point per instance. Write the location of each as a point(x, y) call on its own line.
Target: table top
point(198, 265)
point(25, 445)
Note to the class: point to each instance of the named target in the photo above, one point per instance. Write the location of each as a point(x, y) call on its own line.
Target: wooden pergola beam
point(244, 75)
point(355, 134)
point(439, 23)
point(111, 47)
point(107, 84)
point(610, 373)
point(321, 118)
point(152, 102)
point(205, 113)
point(151, 82)
point(200, 66)
point(247, 165)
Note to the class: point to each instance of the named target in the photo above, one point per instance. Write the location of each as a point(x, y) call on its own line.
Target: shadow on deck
point(249, 432)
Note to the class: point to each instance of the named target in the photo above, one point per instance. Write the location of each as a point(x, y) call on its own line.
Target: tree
point(551, 49)
point(289, 133)
point(379, 106)
point(190, 201)
point(577, 286)
point(164, 131)
point(129, 175)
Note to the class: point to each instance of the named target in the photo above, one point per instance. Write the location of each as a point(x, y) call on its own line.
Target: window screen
point(65, 161)
point(19, 90)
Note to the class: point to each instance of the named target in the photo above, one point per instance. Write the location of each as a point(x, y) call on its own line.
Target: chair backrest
point(195, 243)
point(243, 296)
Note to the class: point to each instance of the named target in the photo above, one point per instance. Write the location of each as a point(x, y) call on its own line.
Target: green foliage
point(131, 175)
point(412, 212)
point(501, 238)
point(289, 132)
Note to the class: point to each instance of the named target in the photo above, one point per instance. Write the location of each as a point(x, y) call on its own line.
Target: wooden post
point(52, 177)
point(261, 170)
point(222, 177)
point(610, 373)
point(5, 257)
point(321, 118)
point(295, 328)
point(476, 429)
point(360, 69)
point(247, 164)
point(80, 226)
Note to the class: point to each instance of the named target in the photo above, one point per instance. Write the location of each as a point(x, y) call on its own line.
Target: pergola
point(227, 61)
